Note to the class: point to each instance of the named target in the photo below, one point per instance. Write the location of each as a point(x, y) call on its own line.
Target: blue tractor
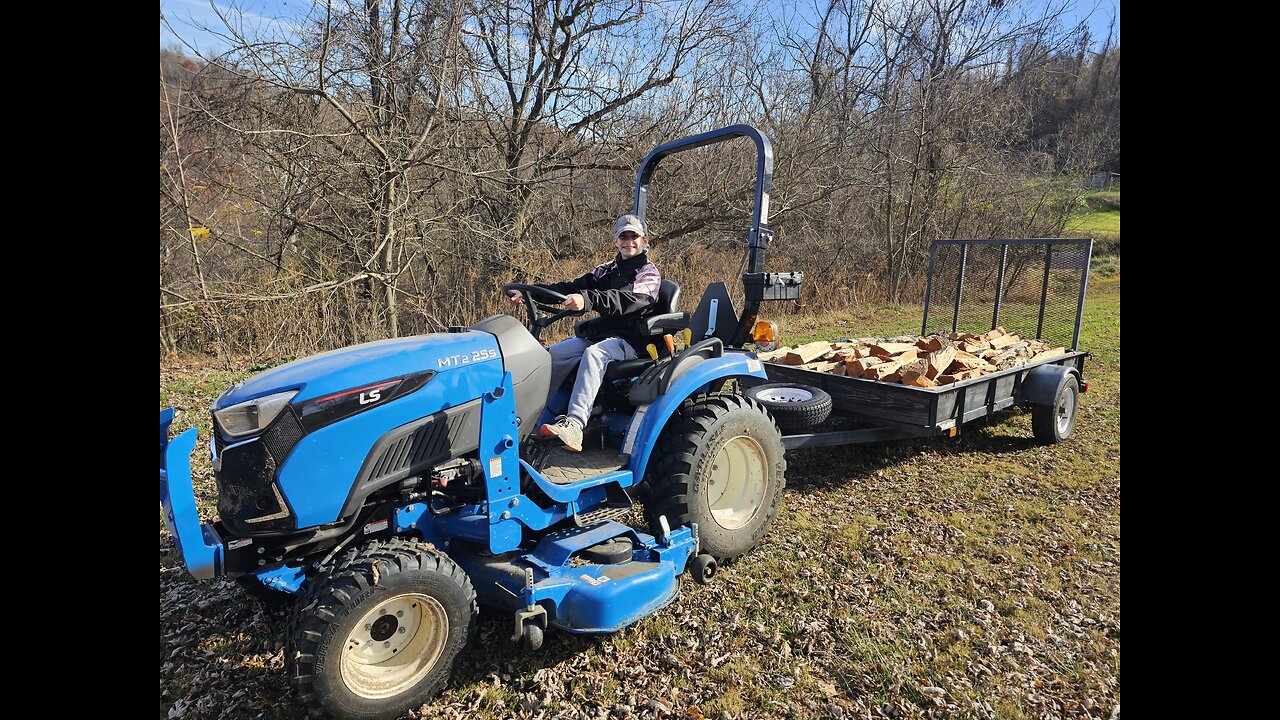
point(393, 485)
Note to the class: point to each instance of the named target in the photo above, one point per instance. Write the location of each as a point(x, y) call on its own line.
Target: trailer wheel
point(381, 631)
point(719, 463)
point(795, 407)
point(1054, 423)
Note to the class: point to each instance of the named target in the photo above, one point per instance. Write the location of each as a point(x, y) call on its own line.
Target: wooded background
point(376, 169)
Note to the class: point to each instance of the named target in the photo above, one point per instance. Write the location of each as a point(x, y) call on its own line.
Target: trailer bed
point(917, 410)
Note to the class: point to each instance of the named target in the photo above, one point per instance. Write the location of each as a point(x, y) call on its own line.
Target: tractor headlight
point(254, 415)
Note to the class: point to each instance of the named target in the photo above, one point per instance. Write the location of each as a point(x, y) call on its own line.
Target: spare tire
point(795, 407)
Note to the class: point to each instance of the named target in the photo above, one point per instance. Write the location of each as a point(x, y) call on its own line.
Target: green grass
point(1098, 216)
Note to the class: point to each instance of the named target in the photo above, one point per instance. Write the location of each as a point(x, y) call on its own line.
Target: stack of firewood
point(929, 361)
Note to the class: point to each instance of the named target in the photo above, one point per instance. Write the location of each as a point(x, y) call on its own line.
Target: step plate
point(601, 514)
point(563, 467)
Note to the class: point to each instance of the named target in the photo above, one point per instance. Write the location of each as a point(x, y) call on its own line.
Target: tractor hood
point(360, 365)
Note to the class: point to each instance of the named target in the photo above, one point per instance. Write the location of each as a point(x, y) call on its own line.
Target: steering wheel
point(550, 298)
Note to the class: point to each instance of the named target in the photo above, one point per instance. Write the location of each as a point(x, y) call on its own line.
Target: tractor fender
point(650, 419)
point(1041, 385)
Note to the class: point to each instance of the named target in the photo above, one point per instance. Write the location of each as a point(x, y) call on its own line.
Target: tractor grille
point(247, 490)
point(283, 434)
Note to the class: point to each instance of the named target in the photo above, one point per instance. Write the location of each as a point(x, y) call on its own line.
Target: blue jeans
point(594, 357)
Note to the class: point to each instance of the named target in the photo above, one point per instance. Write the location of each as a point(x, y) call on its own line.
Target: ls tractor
point(393, 485)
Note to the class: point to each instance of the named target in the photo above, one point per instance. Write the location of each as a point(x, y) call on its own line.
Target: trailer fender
point(1041, 385)
point(649, 420)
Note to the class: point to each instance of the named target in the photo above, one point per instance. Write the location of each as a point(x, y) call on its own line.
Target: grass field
point(1098, 217)
point(969, 577)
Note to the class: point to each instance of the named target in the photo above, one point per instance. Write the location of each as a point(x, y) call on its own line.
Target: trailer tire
point(381, 631)
point(795, 407)
point(719, 463)
point(1054, 423)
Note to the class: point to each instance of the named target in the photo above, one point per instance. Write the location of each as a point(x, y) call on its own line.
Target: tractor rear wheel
point(719, 463)
point(381, 631)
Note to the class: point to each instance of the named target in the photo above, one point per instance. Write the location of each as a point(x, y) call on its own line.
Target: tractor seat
point(662, 318)
point(665, 318)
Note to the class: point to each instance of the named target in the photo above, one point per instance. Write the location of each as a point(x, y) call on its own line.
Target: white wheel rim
point(1066, 408)
point(394, 646)
point(786, 395)
point(737, 482)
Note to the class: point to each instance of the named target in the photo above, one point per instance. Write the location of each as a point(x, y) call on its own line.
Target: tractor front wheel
point(719, 463)
point(380, 632)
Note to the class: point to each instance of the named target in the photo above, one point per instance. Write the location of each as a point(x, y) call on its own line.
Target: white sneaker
point(565, 428)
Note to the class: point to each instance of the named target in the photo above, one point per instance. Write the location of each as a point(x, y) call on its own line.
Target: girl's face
point(630, 244)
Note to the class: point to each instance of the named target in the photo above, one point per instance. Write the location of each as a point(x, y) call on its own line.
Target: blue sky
point(186, 17)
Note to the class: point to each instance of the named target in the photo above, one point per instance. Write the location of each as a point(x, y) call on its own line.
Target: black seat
point(665, 318)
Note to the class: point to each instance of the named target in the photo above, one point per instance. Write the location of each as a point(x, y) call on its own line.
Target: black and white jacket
point(622, 291)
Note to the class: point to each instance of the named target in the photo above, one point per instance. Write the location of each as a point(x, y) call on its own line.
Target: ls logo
point(372, 396)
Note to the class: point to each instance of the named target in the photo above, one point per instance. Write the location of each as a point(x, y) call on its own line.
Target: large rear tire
point(380, 632)
point(719, 463)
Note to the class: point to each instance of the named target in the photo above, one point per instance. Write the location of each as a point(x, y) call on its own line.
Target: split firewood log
point(806, 353)
point(773, 355)
point(1004, 341)
point(859, 367)
point(913, 378)
point(1053, 352)
point(887, 350)
point(1011, 361)
point(939, 361)
point(919, 366)
point(932, 343)
point(821, 366)
point(958, 377)
point(881, 371)
point(960, 364)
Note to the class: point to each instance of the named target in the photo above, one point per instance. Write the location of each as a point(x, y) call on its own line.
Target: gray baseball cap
point(632, 223)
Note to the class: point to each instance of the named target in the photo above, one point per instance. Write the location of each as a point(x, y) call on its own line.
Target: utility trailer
point(1024, 285)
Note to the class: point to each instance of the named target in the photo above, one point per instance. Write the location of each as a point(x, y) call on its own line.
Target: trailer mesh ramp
point(1032, 287)
point(563, 467)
